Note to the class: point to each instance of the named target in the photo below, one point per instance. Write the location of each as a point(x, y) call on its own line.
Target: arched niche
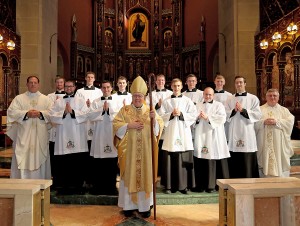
point(14, 64)
point(286, 48)
point(297, 47)
point(4, 59)
point(270, 56)
point(259, 61)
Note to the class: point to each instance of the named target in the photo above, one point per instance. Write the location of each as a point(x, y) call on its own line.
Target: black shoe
point(167, 191)
point(173, 190)
point(210, 190)
point(185, 191)
point(146, 214)
point(128, 213)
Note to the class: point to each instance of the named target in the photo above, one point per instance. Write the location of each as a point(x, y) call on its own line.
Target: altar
point(259, 201)
point(25, 202)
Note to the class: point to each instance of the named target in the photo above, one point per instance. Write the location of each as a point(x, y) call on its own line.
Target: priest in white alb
point(28, 124)
point(273, 138)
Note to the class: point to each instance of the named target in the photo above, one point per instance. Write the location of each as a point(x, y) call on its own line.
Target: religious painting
point(79, 64)
point(138, 31)
point(108, 39)
point(168, 40)
point(196, 64)
point(275, 73)
point(264, 81)
point(187, 65)
point(289, 81)
point(88, 64)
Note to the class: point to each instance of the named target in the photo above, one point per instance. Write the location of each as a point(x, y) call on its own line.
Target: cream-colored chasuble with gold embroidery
point(273, 141)
point(30, 136)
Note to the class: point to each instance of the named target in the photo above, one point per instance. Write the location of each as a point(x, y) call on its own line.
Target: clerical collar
point(173, 96)
point(161, 90)
point(69, 96)
point(191, 90)
point(220, 91)
point(241, 94)
point(33, 94)
point(60, 92)
point(106, 98)
point(120, 93)
point(210, 102)
point(89, 88)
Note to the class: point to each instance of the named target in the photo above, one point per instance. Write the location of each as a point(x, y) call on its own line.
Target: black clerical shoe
point(128, 213)
point(146, 214)
point(210, 190)
point(184, 191)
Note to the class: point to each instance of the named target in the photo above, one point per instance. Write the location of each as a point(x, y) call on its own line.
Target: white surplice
point(177, 134)
point(30, 136)
point(273, 141)
point(156, 96)
point(53, 97)
point(102, 145)
point(241, 133)
point(196, 96)
point(89, 94)
point(210, 140)
point(70, 132)
point(121, 99)
point(222, 97)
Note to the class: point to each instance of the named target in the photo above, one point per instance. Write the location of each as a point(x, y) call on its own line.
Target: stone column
point(36, 23)
point(6, 72)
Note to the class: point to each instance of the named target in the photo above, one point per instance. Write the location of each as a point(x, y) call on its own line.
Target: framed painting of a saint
point(138, 31)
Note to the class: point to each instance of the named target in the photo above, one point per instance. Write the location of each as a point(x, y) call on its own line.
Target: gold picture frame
point(138, 31)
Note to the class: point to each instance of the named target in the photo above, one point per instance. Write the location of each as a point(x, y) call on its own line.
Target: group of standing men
point(203, 135)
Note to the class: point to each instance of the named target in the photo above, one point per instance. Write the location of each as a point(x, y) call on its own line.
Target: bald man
point(210, 145)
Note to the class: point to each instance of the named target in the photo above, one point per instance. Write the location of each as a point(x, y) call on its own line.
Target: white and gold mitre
point(138, 86)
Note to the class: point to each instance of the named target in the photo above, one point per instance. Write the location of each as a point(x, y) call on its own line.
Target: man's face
point(272, 98)
point(191, 82)
point(240, 85)
point(122, 85)
point(208, 94)
point(160, 82)
point(106, 89)
point(33, 85)
point(69, 88)
point(90, 78)
point(176, 87)
point(219, 82)
point(138, 99)
point(59, 84)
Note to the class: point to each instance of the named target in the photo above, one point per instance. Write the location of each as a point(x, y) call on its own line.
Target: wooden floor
point(166, 215)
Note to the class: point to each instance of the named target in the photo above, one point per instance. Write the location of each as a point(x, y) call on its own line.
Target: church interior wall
point(83, 13)
point(239, 22)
